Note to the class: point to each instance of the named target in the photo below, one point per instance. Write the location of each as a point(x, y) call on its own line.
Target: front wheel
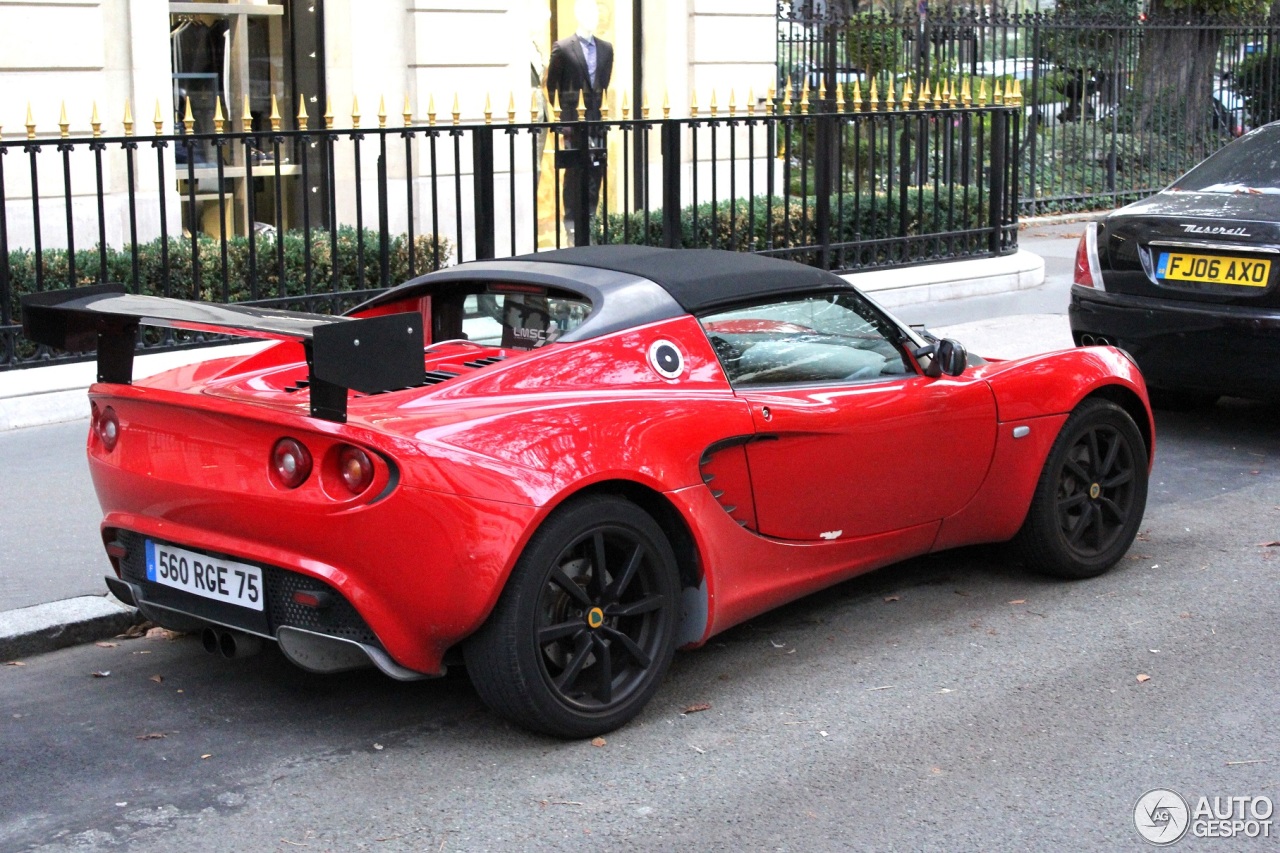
point(1091, 495)
point(586, 626)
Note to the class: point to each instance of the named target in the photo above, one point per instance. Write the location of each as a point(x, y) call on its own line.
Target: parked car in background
point(1188, 281)
point(558, 468)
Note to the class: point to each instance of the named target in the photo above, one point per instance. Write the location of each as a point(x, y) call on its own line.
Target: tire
point(585, 629)
point(1091, 495)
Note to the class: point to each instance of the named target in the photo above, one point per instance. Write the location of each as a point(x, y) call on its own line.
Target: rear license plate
point(211, 577)
point(1177, 266)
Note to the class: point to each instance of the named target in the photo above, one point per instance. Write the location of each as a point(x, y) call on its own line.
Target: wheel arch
point(660, 508)
point(1127, 399)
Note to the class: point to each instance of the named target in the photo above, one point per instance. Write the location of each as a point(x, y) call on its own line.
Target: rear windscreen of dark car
point(1251, 164)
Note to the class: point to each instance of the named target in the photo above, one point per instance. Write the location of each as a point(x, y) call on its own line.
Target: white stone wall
point(81, 53)
point(107, 51)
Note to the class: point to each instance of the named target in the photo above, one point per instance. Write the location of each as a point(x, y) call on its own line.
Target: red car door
point(841, 462)
point(851, 440)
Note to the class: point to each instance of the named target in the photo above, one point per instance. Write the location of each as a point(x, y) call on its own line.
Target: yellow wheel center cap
point(595, 617)
point(1094, 491)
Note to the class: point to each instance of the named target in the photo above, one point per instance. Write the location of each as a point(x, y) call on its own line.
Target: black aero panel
point(370, 355)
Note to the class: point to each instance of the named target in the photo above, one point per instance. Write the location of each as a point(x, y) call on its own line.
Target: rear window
point(521, 320)
point(1251, 164)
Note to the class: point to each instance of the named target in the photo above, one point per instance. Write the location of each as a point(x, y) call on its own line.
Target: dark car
point(1188, 281)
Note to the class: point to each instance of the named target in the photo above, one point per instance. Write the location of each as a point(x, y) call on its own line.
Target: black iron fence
point(321, 218)
point(1118, 103)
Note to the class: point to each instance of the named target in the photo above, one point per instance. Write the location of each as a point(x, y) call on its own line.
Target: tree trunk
point(1175, 75)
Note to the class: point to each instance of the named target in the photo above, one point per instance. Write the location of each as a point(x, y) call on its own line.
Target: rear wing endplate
point(370, 355)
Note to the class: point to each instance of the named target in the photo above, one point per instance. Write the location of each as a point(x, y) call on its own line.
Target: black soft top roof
point(699, 279)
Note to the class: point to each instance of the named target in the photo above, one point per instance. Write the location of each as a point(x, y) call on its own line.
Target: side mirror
point(946, 357)
point(952, 358)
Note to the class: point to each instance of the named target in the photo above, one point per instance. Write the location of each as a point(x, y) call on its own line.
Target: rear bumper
point(1218, 349)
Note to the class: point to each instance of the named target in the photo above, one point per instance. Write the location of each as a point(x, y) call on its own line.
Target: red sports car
point(558, 468)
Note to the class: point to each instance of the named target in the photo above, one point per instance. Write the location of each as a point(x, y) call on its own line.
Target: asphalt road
point(948, 703)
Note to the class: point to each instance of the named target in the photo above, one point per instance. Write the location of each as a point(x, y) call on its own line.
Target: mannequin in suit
point(582, 63)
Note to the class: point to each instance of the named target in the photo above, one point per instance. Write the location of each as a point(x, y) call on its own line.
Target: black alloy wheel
point(1091, 495)
point(586, 627)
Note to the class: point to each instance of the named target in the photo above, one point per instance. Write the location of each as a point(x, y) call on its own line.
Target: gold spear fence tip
point(275, 113)
point(533, 106)
point(714, 108)
point(966, 93)
point(804, 99)
point(188, 119)
point(875, 96)
point(604, 104)
point(488, 109)
point(644, 104)
point(128, 118)
point(582, 105)
point(890, 102)
point(666, 105)
point(64, 126)
point(431, 110)
point(95, 122)
point(355, 111)
point(382, 111)
point(407, 113)
point(246, 116)
point(982, 92)
point(302, 112)
point(839, 98)
point(158, 120)
point(907, 94)
point(457, 110)
point(328, 113)
point(219, 118)
point(626, 104)
point(751, 100)
point(511, 108)
point(693, 103)
point(31, 123)
point(857, 96)
point(997, 96)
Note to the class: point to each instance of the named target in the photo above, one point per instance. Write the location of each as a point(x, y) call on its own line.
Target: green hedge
point(779, 224)
point(151, 265)
point(22, 267)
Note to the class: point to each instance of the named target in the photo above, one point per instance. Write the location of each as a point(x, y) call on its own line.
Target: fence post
point(671, 184)
point(8, 351)
point(823, 157)
point(482, 186)
point(384, 226)
point(996, 200)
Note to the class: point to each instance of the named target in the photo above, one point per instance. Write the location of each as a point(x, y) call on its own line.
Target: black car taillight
point(1088, 270)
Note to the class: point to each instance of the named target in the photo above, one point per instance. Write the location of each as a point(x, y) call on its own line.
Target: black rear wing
point(370, 355)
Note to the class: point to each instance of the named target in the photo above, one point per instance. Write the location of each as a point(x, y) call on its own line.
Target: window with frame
point(817, 338)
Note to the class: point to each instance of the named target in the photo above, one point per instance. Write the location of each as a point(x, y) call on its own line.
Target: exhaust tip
point(236, 645)
point(209, 639)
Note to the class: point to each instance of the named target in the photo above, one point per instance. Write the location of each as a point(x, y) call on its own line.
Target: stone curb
point(45, 628)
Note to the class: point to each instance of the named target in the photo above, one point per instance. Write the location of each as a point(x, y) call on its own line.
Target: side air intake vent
point(724, 471)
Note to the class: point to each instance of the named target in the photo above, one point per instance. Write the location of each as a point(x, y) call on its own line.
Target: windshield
point(1251, 164)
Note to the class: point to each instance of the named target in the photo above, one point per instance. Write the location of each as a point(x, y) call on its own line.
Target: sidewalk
point(51, 395)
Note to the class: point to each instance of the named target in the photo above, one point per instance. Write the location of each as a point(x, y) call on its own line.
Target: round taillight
point(290, 463)
point(356, 469)
point(108, 426)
